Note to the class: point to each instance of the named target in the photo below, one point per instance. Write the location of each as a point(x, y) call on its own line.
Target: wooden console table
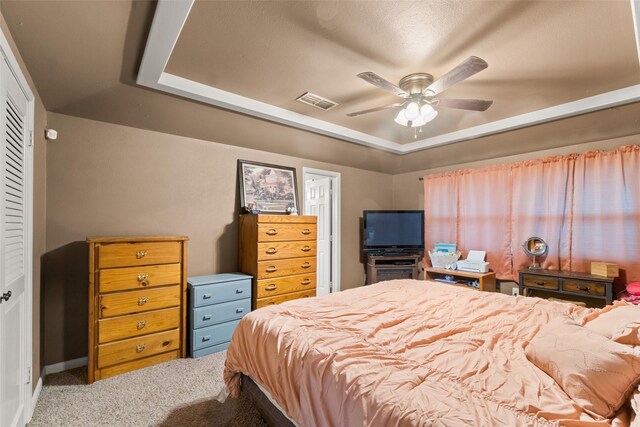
point(563, 284)
point(380, 268)
point(486, 281)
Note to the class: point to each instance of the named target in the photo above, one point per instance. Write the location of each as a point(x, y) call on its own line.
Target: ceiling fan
point(419, 90)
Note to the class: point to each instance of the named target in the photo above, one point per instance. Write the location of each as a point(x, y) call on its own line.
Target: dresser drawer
point(219, 313)
point(281, 250)
point(263, 302)
point(284, 232)
point(137, 348)
point(285, 267)
point(210, 350)
point(122, 279)
point(542, 282)
point(285, 285)
point(221, 292)
point(132, 254)
point(119, 303)
point(138, 364)
point(213, 335)
point(132, 325)
point(583, 287)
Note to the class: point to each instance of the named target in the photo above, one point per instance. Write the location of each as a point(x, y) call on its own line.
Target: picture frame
point(270, 189)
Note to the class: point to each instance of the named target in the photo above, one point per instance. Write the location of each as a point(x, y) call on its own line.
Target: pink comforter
point(405, 353)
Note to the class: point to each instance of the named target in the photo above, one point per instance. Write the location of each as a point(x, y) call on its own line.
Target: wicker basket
point(443, 259)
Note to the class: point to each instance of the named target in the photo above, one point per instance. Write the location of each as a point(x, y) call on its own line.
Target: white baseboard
point(35, 396)
point(63, 366)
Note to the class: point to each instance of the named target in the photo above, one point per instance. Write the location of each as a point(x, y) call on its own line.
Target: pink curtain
point(606, 210)
point(440, 209)
point(484, 215)
point(541, 205)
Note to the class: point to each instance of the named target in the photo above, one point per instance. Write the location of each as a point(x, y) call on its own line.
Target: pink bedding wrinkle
point(405, 353)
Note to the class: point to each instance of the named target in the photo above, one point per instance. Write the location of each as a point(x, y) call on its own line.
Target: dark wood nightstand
point(565, 285)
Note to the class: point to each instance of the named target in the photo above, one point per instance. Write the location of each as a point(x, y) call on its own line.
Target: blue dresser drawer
point(219, 313)
point(212, 335)
point(221, 292)
point(213, 349)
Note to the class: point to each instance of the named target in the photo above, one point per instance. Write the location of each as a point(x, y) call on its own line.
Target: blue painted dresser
point(216, 305)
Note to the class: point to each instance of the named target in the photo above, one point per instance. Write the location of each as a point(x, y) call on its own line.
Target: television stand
point(390, 267)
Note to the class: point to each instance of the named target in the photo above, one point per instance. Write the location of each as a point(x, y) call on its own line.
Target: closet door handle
point(272, 232)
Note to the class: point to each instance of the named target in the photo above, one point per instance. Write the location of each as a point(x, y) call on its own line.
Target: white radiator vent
point(316, 101)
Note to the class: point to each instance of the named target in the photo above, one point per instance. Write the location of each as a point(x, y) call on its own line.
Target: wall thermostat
point(51, 134)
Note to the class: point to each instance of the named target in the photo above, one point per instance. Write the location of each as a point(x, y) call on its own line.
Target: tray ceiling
point(257, 57)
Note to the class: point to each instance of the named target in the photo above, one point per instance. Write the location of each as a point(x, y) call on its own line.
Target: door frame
point(8, 56)
point(335, 219)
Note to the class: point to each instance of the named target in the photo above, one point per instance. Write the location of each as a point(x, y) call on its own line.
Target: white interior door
point(318, 203)
point(13, 250)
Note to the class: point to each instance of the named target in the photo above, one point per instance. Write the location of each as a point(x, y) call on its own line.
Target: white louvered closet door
point(13, 249)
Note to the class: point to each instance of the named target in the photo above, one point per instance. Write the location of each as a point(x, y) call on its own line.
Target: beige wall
point(106, 179)
point(408, 189)
point(39, 197)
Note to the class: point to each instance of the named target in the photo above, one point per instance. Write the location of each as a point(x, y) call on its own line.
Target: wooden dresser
point(595, 291)
point(279, 251)
point(137, 303)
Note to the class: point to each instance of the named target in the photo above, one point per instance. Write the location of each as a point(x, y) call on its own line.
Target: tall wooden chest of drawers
point(279, 251)
point(216, 305)
point(137, 303)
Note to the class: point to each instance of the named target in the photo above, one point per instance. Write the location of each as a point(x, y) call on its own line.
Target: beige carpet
point(177, 393)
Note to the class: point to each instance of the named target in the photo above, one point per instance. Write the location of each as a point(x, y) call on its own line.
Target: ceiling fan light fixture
point(401, 118)
point(412, 111)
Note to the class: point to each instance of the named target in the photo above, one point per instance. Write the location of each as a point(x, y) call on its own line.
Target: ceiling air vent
point(316, 101)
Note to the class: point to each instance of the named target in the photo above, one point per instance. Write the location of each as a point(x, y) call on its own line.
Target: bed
point(408, 353)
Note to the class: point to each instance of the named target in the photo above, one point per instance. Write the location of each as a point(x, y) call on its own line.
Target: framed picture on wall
point(267, 188)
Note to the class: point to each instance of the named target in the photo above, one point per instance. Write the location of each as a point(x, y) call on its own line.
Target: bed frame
point(268, 410)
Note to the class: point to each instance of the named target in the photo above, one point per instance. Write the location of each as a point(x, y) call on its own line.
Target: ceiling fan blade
point(466, 69)
point(465, 104)
point(373, 110)
point(378, 81)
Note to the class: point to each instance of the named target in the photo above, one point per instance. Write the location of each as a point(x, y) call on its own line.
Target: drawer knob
point(206, 338)
point(271, 287)
point(306, 231)
point(142, 277)
point(141, 254)
point(165, 343)
point(142, 324)
point(272, 251)
point(143, 300)
point(206, 317)
point(140, 348)
point(271, 269)
point(239, 310)
point(540, 283)
point(306, 249)
point(583, 288)
point(305, 265)
point(305, 282)
point(206, 296)
point(239, 291)
point(272, 232)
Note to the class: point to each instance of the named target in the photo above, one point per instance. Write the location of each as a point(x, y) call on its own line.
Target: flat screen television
point(393, 231)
